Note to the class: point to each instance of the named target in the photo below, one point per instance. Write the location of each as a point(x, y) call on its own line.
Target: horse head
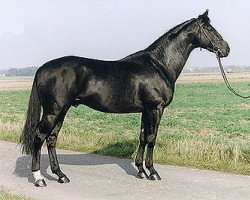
point(208, 38)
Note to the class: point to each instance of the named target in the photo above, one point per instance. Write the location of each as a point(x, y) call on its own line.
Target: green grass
point(205, 126)
point(7, 196)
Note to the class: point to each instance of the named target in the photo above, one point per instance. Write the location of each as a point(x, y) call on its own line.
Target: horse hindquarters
point(55, 93)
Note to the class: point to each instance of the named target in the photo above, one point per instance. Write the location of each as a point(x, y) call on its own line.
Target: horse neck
point(172, 54)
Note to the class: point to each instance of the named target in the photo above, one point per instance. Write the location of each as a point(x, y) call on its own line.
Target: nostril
point(215, 48)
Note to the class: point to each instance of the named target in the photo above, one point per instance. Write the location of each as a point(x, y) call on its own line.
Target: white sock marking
point(37, 175)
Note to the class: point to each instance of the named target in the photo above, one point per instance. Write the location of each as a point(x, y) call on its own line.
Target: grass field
point(6, 196)
point(205, 127)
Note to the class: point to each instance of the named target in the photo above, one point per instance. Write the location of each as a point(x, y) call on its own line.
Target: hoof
point(142, 175)
point(63, 179)
point(40, 183)
point(154, 177)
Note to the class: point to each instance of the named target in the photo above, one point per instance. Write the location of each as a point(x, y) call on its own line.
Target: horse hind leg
point(44, 129)
point(51, 145)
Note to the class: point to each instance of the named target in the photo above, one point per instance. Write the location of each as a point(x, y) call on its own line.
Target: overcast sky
point(33, 32)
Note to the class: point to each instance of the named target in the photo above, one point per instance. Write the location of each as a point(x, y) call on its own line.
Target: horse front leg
point(51, 145)
point(140, 153)
point(151, 128)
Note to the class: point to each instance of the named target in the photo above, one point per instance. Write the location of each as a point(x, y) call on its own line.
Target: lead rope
point(226, 80)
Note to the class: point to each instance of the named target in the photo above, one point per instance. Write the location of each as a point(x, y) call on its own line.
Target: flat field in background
point(205, 126)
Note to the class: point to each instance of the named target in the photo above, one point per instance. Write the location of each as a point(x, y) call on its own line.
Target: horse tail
point(32, 120)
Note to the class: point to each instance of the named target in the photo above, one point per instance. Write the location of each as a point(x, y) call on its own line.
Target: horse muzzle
point(222, 52)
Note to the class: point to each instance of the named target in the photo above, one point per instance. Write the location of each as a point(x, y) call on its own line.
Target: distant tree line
point(27, 71)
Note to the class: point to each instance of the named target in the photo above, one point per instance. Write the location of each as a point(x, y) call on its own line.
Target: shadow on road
point(23, 164)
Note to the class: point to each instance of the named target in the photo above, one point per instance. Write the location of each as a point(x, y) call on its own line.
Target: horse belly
point(111, 105)
point(107, 99)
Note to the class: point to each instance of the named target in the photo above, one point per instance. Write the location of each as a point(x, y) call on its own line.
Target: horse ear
point(205, 13)
point(204, 17)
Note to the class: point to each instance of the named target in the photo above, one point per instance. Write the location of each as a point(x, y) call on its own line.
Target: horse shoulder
point(154, 91)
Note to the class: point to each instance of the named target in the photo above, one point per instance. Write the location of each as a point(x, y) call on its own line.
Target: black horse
point(142, 82)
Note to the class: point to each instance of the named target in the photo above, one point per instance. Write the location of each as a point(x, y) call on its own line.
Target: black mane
point(162, 40)
point(171, 34)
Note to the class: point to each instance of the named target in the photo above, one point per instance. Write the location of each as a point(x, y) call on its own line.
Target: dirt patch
point(15, 83)
point(213, 77)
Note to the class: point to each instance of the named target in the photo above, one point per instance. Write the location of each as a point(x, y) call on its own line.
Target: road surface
point(100, 177)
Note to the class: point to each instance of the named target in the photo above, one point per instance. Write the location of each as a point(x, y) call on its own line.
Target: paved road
point(99, 177)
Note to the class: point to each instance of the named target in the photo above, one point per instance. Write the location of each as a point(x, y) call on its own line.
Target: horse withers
point(142, 82)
